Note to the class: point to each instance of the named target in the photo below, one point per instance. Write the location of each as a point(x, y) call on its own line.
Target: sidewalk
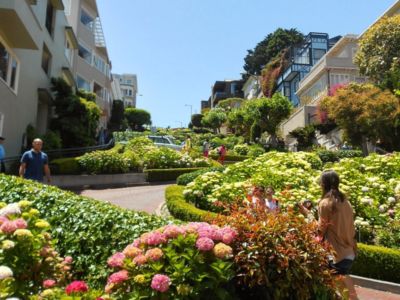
point(368, 294)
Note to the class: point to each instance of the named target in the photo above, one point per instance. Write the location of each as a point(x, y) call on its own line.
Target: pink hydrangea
point(20, 223)
point(118, 277)
point(49, 283)
point(156, 238)
point(172, 231)
point(160, 283)
point(204, 244)
point(3, 219)
point(117, 260)
point(68, 260)
point(140, 260)
point(76, 287)
point(8, 227)
point(132, 251)
point(136, 243)
point(228, 235)
point(209, 232)
point(154, 254)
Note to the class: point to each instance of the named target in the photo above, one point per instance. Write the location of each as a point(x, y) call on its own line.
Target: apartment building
point(226, 89)
point(128, 88)
point(91, 65)
point(252, 88)
point(36, 44)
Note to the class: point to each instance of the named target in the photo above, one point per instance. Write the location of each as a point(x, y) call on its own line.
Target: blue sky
point(179, 48)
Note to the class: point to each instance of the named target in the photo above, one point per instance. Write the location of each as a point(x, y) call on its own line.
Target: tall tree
point(196, 120)
point(117, 120)
point(137, 117)
point(269, 48)
point(364, 112)
point(379, 53)
point(214, 119)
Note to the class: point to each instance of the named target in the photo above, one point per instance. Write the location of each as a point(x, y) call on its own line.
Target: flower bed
point(85, 229)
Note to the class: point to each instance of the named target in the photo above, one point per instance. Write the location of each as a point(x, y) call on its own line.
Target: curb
point(375, 284)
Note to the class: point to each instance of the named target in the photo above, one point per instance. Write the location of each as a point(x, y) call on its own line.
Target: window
point(318, 54)
point(87, 20)
point(46, 59)
point(339, 79)
point(99, 64)
point(128, 81)
point(130, 92)
point(82, 84)
point(50, 17)
point(68, 51)
point(85, 53)
point(8, 67)
point(1, 123)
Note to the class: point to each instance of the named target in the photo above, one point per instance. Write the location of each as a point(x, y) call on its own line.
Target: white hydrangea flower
point(10, 209)
point(382, 208)
point(5, 272)
point(364, 189)
point(391, 199)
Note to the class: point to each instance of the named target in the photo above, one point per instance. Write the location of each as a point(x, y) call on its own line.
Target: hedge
point(182, 210)
point(333, 156)
point(186, 178)
point(377, 262)
point(69, 165)
point(158, 175)
point(88, 230)
point(230, 157)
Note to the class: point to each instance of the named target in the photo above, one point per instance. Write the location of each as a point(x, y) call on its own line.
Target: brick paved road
point(368, 294)
point(143, 198)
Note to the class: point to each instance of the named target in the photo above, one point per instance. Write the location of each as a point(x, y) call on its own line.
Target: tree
point(117, 120)
point(365, 112)
point(76, 115)
point(379, 53)
point(214, 119)
point(196, 120)
point(230, 103)
point(269, 48)
point(305, 137)
point(137, 117)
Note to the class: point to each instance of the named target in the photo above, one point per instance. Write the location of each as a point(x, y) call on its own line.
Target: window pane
point(14, 66)
point(86, 19)
point(82, 84)
point(50, 18)
point(4, 57)
point(85, 54)
point(46, 59)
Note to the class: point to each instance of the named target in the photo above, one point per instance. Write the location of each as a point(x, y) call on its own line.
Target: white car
point(165, 141)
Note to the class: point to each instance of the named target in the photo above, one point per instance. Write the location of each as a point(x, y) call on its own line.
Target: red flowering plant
point(174, 262)
point(278, 256)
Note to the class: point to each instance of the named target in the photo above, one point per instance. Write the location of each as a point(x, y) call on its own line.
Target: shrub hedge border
point(182, 210)
point(230, 157)
point(159, 175)
point(372, 261)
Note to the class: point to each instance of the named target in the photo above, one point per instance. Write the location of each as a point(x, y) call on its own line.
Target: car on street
point(165, 141)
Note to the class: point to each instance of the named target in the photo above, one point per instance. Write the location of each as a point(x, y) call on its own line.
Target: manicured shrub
point(69, 165)
point(186, 178)
point(192, 261)
point(182, 210)
point(104, 162)
point(230, 157)
point(242, 149)
point(334, 156)
point(86, 229)
point(389, 235)
point(159, 175)
point(256, 150)
point(377, 262)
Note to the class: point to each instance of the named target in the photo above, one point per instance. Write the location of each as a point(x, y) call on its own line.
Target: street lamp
point(191, 111)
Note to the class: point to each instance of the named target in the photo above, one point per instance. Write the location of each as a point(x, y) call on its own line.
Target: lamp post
point(191, 111)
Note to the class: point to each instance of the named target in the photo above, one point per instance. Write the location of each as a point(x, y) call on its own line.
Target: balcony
point(18, 24)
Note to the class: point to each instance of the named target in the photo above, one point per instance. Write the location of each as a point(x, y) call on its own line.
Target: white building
point(126, 88)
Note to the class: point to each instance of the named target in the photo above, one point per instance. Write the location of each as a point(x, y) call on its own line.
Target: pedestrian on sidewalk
point(34, 163)
point(2, 156)
point(336, 226)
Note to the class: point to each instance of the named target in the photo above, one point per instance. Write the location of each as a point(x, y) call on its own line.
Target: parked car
point(165, 141)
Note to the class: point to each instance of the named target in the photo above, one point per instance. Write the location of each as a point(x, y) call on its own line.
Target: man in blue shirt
point(2, 156)
point(34, 163)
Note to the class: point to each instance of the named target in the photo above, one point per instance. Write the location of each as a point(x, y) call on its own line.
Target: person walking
point(221, 154)
point(336, 226)
point(2, 156)
point(206, 148)
point(271, 203)
point(34, 163)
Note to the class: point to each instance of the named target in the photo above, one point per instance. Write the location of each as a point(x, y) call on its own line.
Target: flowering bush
point(28, 261)
point(174, 262)
point(110, 161)
point(277, 256)
point(242, 149)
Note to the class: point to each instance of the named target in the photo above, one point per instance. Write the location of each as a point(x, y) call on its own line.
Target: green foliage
point(269, 48)
point(51, 140)
point(378, 53)
point(241, 149)
point(255, 132)
point(182, 210)
point(230, 157)
point(117, 120)
point(77, 116)
point(196, 120)
point(230, 103)
point(86, 229)
point(22, 252)
point(377, 262)
point(186, 178)
point(256, 150)
point(69, 165)
point(389, 235)
point(214, 119)
point(305, 137)
point(137, 117)
point(160, 175)
point(334, 156)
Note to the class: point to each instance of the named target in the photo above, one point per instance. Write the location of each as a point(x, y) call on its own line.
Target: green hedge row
point(182, 210)
point(333, 156)
point(65, 166)
point(159, 175)
point(88, 230)
point(377, 262)
point(230, 157)
point(185, 179)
